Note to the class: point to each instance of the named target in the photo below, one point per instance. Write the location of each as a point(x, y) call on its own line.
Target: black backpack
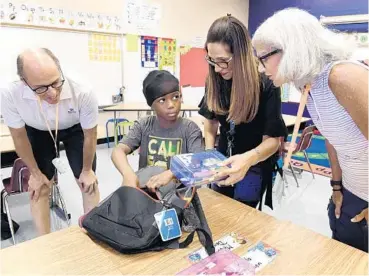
point(125, 220)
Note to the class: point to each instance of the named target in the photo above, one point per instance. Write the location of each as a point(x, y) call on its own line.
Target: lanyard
point(48, 126)
point(230, 137)
point(304, 96)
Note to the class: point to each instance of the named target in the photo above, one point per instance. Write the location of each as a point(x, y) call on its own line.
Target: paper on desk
point(228, 242)
point(260, 255)
point(223, 262)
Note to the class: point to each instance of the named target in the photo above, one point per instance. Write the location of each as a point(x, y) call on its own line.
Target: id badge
point(59, 165)
point(168, 224)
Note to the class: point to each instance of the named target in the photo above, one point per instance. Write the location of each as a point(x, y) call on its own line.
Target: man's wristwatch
point(336, 183)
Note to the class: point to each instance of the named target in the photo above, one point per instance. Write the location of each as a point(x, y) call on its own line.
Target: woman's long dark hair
point(245, 91)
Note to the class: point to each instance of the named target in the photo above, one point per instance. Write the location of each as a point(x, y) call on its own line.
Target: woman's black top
point(268, 121)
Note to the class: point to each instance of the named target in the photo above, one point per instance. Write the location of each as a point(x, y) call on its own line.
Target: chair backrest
point(306, 137)
point(19, 179)
point(120, 126)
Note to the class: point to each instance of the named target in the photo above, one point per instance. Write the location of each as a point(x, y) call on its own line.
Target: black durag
point(159, 83)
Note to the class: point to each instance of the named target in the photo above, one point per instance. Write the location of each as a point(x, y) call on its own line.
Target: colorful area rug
point(317, 154)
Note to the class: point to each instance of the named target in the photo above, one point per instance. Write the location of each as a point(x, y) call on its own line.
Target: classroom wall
point(259, 10)
point(183, 21)
point(180, 20)
point(113, 7)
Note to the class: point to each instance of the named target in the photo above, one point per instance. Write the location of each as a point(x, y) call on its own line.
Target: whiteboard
point(71, 48)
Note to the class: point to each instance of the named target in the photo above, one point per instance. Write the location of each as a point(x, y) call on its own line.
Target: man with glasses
point(42, 109)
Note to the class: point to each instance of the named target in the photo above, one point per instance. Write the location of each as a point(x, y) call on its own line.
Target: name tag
point(60, 165)
point(168, 224)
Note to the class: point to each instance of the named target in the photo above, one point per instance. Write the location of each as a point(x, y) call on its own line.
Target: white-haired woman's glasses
point(220, 64)
point(264, 58)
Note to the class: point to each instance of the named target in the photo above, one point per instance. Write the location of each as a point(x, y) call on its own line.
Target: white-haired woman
point(292, 46)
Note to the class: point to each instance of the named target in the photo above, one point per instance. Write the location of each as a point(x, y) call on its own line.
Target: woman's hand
point(337, 199)
point(240, 164)
point(361, 216)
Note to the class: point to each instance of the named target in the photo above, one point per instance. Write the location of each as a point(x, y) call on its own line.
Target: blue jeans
point(343, 230)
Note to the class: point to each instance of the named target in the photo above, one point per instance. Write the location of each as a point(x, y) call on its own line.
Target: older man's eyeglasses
point(220, 64)
point(43, 89)
point(264, 58)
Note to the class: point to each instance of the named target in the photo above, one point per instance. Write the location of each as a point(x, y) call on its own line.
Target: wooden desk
point(302, 251)
point(7, 144)
point(143, 107)
point(4, 130)
point(289, 120)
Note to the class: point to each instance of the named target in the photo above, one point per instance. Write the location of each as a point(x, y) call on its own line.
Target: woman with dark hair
point(248, 108)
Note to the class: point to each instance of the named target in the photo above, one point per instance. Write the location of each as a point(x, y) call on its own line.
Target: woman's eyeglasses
point(43, 89)
point(263, 58)
point(220, 64)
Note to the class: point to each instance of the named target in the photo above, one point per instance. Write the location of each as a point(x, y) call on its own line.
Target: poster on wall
point(141, 18)
point(43, 16)
point(167, 54)
point(104, 48)
point(149, 52)
point(193, 68)
point(61, 18)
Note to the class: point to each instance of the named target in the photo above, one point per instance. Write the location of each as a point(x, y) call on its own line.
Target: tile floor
point(306, 205)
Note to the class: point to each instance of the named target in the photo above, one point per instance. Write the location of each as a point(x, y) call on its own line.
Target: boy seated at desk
point(159, 137)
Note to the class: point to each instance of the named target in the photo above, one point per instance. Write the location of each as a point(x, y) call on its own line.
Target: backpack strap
point(208, 243)
point(202, 230)
point(205, 239)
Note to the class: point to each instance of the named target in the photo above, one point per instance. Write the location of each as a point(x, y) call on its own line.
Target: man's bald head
point(36, 60)
point(39, 68)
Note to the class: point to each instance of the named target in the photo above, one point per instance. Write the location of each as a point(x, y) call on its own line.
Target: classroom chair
point(120, 127)
point(114, 121)
point(302, 145)
point(15, 184)
point(18, 183)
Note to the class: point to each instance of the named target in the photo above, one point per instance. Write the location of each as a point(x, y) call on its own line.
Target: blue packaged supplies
point(197, 168)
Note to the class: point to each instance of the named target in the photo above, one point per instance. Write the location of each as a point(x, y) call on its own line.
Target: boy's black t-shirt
point(268, 120)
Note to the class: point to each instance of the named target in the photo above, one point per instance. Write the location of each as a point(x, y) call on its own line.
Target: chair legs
point(62, 203)
point(294, 174)
point(308, 161)
point(7, 211)
point(107, 134)
point(57, 201)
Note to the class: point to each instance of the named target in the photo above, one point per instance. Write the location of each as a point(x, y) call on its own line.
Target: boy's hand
point(159, 180)
point(131, 180)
